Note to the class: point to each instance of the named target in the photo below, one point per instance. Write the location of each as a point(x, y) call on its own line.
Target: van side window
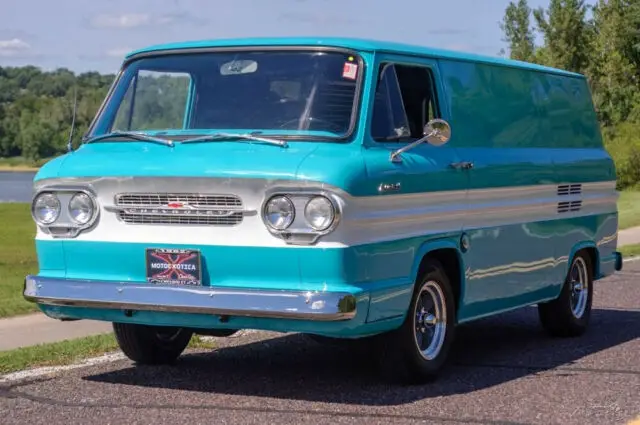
point(405, 102)
point(389, 120)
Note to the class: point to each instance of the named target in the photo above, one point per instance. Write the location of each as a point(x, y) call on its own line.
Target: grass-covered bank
point(21, 164)
point(69, 351)
point(17, 257)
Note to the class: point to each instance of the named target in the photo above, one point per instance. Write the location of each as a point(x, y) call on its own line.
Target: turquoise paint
point(507, 108)
point(518, 128)
point(51, 258)
point(347, 329)
point(350, 328)
point(216, 159)
point(517, 265)
point(359, 44)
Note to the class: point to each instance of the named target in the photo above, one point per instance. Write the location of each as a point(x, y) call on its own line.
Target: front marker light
point(81, 208)
point(279, 212)
point(319, 213)
point(46, 208)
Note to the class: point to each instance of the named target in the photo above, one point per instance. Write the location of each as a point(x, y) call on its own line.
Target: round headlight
point(46, 208)
point(279, 212)
point(81, 208)
point(319, 213)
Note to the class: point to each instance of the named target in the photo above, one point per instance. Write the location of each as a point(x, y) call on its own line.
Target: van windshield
point(288, 93)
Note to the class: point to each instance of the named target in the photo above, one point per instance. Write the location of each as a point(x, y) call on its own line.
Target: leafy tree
point(518, 32)
point(615, 63)
point(567, 34)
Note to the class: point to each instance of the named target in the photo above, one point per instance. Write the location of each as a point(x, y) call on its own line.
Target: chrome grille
point(231, 220)
point(179, 208)
point(162, 199)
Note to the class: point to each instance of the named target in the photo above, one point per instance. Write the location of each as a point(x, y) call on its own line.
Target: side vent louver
point(569, 206)
point(570, 189)
point(567, 190)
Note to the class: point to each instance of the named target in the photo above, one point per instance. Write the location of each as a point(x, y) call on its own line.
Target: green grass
point(68, 352)
point(629, 251)
point(629, 209)
point(18, 163)
point(17, 257)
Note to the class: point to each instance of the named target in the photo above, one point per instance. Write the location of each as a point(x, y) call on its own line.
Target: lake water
point(16, 186)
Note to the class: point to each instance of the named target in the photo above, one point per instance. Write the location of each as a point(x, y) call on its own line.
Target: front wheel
point(151, 345)
point(417, 351)
point(569, 314)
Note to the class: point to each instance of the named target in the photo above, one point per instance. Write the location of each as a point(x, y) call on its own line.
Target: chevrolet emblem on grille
point(186, 209)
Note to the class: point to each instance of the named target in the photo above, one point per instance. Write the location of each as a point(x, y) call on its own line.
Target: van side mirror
point(436, 132)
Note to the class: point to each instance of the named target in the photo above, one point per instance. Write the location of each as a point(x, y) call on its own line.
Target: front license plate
point(174, 266)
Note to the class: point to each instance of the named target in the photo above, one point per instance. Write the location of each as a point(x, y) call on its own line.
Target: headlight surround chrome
point(45, 208)
point(279, 212)
point(319, 213)
point(81, 208)
point(314, 213)
point(76, 206)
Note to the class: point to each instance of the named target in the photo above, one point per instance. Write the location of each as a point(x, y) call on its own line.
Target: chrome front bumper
point(281, 304)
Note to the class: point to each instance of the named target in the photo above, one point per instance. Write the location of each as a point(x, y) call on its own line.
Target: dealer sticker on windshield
point(350, 70)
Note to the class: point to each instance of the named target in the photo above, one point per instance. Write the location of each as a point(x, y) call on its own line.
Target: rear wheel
point(151, 344)
point(417, 351)
point(569, 314)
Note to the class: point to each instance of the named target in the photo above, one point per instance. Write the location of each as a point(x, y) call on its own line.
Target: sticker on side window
point(350, 70)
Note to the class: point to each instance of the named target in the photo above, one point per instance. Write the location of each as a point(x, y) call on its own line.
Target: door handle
point(465, 165)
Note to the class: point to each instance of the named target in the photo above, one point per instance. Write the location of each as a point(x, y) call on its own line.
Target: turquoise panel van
point(339, 188)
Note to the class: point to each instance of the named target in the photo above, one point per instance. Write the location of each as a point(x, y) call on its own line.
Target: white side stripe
point(365, 219)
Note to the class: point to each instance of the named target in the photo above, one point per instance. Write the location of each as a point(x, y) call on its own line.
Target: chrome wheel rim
point(579, 287)
point(430, 320)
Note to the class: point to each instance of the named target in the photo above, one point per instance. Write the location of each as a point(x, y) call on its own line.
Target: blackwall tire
point(416, 352)
point(151, 345)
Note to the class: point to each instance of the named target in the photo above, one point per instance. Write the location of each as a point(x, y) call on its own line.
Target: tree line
point(601, 41)
point(36, 109)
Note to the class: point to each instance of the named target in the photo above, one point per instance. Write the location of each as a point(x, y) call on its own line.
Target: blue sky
point(94, 35)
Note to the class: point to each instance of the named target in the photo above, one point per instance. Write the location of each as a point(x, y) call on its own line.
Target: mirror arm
point(395, 155)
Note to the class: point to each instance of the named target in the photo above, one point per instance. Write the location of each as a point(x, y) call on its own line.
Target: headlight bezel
point(332, 217)
point(300, 231)
point(265, 212)
point(65, 226)
point(33, 207)
point(91, 203)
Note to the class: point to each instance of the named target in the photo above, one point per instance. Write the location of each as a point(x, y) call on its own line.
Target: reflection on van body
point(339, 188)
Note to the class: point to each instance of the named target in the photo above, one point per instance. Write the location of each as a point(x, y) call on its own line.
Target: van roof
point(362, 44)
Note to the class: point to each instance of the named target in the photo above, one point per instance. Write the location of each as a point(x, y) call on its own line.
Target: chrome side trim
point(364, 219)
point(300, 305)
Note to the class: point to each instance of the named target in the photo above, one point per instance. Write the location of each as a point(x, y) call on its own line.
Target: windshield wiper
point(243, 136)
point(132, 135)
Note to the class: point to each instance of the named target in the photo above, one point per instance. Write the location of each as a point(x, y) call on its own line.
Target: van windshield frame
point(106, 115)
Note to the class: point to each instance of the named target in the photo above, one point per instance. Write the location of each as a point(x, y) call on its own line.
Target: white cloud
point(128, 20)
point(118, 52)
point(13, 47)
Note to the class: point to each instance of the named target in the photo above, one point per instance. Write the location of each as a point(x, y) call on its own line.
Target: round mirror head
point(437, 132)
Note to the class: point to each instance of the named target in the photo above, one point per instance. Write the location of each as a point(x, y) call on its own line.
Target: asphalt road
point(504, 370)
